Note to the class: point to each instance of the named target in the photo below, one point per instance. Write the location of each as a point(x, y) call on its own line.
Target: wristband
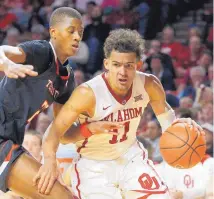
point(85, 131)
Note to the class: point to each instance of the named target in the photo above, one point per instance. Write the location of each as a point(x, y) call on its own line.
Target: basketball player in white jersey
point(111, 166)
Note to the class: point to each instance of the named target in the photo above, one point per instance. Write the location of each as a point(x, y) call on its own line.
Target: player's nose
point(77, 36)
point(123, 71)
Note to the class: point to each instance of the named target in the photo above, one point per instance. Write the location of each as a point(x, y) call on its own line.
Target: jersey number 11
point(114, 139)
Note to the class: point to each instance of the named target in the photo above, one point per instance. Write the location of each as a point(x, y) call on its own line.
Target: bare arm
point(162, 109)
point(157, 95)
point(73, 134)
point(82, 100)
point(9, 59)
point(15, 54)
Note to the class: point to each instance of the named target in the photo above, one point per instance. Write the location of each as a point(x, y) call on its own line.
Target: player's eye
point(80, 33)
point(116, 64)
point(129, 66)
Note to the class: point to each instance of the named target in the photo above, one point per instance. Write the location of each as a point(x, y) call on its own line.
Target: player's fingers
point(50, 185)
point(36, 178)
point(175, 121)
point(198, 127)
point(27, 69)
point(41, 181)
point(189, 121)
point(113, 126)
point(19, 73)
point(45, 185)
point(12, 75)
point(32, 73)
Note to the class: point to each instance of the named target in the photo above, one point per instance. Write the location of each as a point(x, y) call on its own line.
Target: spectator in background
point(208, 129)
point(169, 45)
point(33, 143)
point(110, 4)
point(155, 48)
point(94, 36)
point(209, 81)
point(204, 95)
point(143, 10)
point(197, 78)
point(189, 57)
point(82, 5)
point(42, 124)
point(35, 19)
point(184, 113)
point(163, 74)
point(153, 133)
point(38, 32)
point(193, 31)
point(7, 19)
point(122, 17)
point(12, 37)
point(88, 13)
point(79, 77)
point(205, 60)
point(186, 102)
point(205, 115)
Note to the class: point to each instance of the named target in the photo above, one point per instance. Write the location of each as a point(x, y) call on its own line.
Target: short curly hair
point(124, 41)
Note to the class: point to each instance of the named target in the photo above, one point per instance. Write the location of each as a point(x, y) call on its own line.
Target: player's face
point(68, 35)
point(121, 71)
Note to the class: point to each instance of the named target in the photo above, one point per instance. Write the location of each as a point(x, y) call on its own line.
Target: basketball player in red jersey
point(112, 166)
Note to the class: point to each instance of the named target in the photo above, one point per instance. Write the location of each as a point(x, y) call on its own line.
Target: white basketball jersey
point(111, 108)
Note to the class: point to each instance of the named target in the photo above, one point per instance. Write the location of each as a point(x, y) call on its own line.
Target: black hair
point(93, 3)
point(60, 13)
point(124, 41)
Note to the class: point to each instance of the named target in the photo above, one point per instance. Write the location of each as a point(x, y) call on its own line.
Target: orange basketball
point(181, 146)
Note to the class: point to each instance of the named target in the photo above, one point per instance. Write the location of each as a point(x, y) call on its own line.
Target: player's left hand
point(47, 175)
point(190, 122)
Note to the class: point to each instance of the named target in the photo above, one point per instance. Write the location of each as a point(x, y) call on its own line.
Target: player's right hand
point(47, 175)
point(104, 127)
point(13, 70)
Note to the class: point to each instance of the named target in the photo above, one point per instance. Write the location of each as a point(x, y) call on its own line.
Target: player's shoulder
point(35, 43)
point(84, 91)
point(151, 81)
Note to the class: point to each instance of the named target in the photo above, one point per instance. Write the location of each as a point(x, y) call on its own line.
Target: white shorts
point(132, 176)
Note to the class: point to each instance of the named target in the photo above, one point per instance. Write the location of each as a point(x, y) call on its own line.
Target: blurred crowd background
point(179, 51)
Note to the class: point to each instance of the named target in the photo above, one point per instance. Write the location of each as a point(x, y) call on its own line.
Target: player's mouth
point(123, 81)
point(75, 47)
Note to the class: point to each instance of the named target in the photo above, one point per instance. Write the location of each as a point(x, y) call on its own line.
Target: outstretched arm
point(9, 57)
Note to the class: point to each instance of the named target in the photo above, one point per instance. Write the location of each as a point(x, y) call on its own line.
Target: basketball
point(181, 146)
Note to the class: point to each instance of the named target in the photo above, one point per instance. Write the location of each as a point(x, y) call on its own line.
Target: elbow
point(63, 140)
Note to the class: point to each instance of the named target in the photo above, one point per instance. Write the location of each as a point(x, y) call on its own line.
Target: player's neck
point(58, 53)
point(117, 92)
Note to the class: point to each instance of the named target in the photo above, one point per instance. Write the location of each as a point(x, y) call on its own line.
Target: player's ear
point(106, 64)
point(139, 65)
point(52, 32)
